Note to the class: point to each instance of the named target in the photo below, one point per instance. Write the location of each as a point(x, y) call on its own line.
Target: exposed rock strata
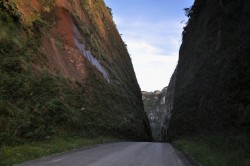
point(66, 55)
point(154, 105)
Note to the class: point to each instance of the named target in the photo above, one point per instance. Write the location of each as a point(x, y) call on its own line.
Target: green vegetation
point(10, 8)
point(110, 11)
point(10, 155)
point(217, 150)
point(31, 107)
point(91, 32)
point(122, 95)
point(36, 105)
point(48, 4)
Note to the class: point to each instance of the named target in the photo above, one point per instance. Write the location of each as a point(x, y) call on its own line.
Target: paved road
point(117, 154)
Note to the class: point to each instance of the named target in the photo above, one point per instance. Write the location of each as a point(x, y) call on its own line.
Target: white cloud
point(154, 48)
point(153, 68)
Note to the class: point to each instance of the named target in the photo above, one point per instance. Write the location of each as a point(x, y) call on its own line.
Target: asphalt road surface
point(117, 154)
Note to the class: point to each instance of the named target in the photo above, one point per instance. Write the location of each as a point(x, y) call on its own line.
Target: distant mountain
point(154, 107)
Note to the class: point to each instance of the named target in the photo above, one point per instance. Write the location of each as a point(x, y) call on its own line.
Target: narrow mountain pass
point(117, 154)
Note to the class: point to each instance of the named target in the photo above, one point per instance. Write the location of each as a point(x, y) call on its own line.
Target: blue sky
point(152, 30)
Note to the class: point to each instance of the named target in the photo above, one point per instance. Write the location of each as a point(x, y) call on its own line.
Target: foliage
point(48, 4)
point(188, 11)
point(110, 11)
point(192, 13)
point(10, 8)
point(26, 112)
point(31, 150)
point(217, 150)
point(35, 106)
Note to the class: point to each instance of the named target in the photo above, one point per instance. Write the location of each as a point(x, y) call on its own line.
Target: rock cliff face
point(154, 106)
point(212, 90)
point(65, 69)
point(168, 108)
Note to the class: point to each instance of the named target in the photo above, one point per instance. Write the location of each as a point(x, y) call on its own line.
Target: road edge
point(191, 160)
point(83, 148)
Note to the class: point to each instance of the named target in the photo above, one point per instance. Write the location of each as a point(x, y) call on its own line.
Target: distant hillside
point(154, 106)
point(65, 70)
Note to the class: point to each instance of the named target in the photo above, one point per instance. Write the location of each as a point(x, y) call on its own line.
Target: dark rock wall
point(212, 93)
point(167, 107)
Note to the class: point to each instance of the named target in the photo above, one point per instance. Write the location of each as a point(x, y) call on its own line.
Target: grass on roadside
point(33, 150)
point(217, 150)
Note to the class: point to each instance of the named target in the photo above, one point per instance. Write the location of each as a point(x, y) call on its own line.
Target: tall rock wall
point(212, 90)
point(65, 70)
point(168, 108)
